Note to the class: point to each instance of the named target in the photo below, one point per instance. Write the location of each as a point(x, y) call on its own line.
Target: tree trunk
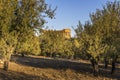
point(113, 64)
point(113, 67)
point(106, 63)
point(23, 55)
point(6, 64)
point(95, 67)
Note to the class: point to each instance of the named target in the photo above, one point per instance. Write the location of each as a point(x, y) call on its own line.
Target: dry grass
point(37, 68)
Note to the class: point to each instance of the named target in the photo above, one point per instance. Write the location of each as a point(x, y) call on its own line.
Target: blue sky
point(69, 12)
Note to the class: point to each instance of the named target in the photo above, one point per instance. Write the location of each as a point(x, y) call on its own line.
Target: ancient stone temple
point(66, 33)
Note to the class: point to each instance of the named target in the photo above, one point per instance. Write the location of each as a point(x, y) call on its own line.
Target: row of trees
point(19, 20)
point(96, 40)
point(99, 38)
point(53, 44)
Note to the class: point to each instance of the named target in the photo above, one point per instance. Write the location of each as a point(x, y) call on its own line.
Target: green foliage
point(79, 29)
point(8, 38)
point(54, 44)
point(29, 47)
point(101, 36)
point(68, 49)
point(19, 20)
point(51, 42)
point(30, 17)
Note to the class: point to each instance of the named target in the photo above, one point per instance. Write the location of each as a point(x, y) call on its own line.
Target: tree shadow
point(12, 75)
point(107, 72)
point(63, 64)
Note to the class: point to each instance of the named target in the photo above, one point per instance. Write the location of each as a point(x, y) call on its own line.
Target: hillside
point(40, 68)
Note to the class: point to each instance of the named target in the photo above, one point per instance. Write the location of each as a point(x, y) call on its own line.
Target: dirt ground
point(41, 68)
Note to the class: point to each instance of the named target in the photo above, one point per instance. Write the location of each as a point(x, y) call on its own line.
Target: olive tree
point(108, 19)
point(100, 36)
point(18, 21)
point(8, 37)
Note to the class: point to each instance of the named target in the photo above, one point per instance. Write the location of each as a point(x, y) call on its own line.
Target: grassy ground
point(39, 68)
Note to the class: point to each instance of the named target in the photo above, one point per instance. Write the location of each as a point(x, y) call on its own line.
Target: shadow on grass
point(12, 75)
point(83, 68)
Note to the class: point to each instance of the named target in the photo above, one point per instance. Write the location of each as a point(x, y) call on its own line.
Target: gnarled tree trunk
point(23, 55)
point(95, 67)
point(113, 64)
point(6, 61)
point(106, 62)
point(113, 67)
point(6, 65)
